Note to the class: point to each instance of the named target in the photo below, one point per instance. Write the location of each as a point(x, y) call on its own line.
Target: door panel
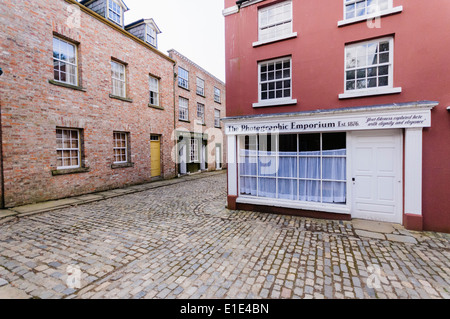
point(155, 153)
point(377, 175)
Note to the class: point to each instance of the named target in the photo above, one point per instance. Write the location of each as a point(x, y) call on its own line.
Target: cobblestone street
point(179, 241)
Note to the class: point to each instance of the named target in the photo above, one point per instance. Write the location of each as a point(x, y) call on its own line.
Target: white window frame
point(378, 13)
point(200, 86)
point(120, 68)
point(217, 95)
point(216, 118)
point(182, 81)
point(154, 89)
point(183, 107)
point(379, 90)
point(59, 60)
point(151, 32)
point(267, 26)
point(123, 136)
point(70, 149)
point(201, 112)
point(193, 156)
point(275, 101)
point(109, 9)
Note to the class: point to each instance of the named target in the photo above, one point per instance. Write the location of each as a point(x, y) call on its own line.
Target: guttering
point(118, 28)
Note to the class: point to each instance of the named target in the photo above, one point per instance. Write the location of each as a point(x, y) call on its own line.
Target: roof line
point(117, 28)
point(195, 64)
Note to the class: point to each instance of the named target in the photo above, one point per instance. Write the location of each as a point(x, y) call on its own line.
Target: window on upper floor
point(183, 106)
point(183, 78)
point(150, 36)
point(216, 118)
point(154, 91)
point(368, 65)
point(216, 95)
point(200, 87)
point(360, 8)
point(275, 79)
point(275, 21)
point(114, 12)
point(65, 67)
point(118, 77)
point(201, 112)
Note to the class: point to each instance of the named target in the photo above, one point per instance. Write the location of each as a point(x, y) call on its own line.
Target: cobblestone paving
point(179, 241)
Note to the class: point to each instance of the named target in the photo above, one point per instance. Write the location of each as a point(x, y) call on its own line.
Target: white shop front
point(363, 162)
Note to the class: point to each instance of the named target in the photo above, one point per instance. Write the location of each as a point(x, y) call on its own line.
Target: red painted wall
point(421, 68)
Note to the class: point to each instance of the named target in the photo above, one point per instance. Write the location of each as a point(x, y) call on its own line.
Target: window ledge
point(284, 37)
point(156, 107)
point(202, 95)
point(122, 165)
point(276, 103)
point(372, 92)
point(79, 170)
point(121, 98)
point(69, 86)
point(218, 102)
point(182, 87)
point(371, 16)
point(187, 121)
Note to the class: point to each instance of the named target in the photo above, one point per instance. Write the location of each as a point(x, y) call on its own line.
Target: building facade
point(199, 106)
point(85, 104)
point(339, 109)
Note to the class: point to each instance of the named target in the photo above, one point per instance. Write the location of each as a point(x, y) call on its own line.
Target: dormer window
point(151, 36)
point(115, 12)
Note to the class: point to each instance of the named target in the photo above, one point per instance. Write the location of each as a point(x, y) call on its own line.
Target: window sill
point(122, 165)
point(79, 170)
point(156, 107)
point(284, 37)
point(186, 121)
point(218, 102)
point(182, 87)
point(202, 95)
point(121, 98)
point(276, 103)
point(372, 92)
point(69, 86)
point(371, 16)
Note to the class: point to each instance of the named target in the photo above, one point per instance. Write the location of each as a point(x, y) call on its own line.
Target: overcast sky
point(195, 28)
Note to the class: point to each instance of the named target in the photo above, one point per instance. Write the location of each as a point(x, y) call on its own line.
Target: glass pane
point(334, 168)
point(247, 186)
point(309, 167)
point(287, 166)
point(309, 142)
point(383, 81)
point(334, 141)
point(267, 165)
point(384, 57)
point(267, 187)
point(383, 70)
point(309, 191)
point(350, 75)
point(287, 189)
point(334, 192)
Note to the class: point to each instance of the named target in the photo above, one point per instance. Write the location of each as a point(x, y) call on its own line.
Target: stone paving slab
point(39, 207)
point(179, 241)
point(7, 213)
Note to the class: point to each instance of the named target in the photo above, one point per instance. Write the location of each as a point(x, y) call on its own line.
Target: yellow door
point(155, 153)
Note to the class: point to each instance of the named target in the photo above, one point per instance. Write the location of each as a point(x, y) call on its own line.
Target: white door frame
point(398, 186)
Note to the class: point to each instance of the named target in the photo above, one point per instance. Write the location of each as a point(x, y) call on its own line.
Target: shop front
point(362, 162)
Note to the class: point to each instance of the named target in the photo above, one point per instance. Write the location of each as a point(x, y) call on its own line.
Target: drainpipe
point(2, 176)
point(175, 119)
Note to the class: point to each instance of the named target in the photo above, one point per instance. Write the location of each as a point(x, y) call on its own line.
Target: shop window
point(300, 167)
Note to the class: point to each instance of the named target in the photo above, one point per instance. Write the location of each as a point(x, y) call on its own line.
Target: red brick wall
point(215, 135)
point(32, 108)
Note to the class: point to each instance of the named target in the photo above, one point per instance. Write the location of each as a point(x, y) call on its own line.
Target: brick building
point(85, 104)
point(339, 109)
point(199, 106)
